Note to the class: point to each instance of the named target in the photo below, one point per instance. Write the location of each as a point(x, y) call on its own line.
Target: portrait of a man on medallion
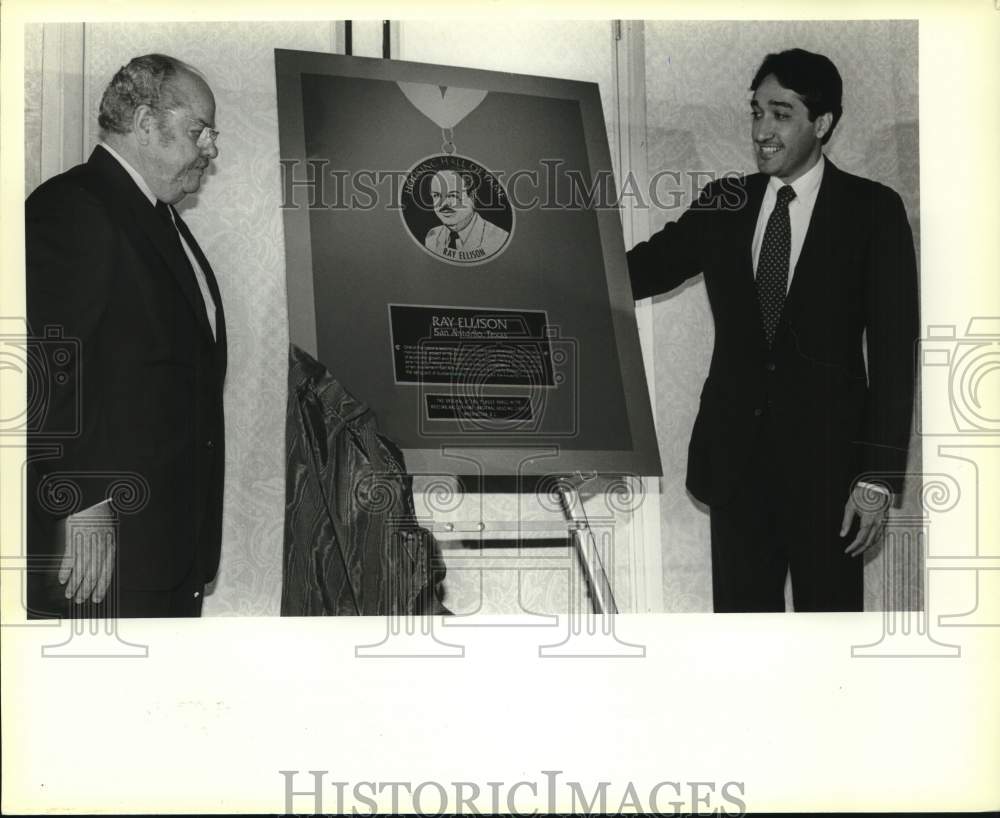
point(470, 215)
point(452, 205)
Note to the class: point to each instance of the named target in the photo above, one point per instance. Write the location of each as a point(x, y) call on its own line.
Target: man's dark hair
point(812, 76)
point(146, 80)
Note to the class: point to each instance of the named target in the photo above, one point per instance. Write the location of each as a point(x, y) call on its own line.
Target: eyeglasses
point(206, 137)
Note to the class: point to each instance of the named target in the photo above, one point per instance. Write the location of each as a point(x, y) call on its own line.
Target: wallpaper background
point(696, 76)
point(32, 107)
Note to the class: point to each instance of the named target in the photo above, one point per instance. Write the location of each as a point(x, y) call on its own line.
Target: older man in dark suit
point(803, 429)
point(112, 267)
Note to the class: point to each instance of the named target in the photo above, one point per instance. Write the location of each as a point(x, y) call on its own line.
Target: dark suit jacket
point(142, 386)
point(856, 275)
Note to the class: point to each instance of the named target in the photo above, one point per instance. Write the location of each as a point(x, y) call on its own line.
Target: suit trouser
point(779, 523)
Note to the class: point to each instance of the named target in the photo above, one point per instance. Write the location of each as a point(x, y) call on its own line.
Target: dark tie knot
point(785, 194)
point(163, 211)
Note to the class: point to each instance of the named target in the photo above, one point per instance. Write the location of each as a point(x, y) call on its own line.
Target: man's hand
point(871, 505)
point(88, 562)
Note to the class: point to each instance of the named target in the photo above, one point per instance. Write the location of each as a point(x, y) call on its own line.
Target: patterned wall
point(32, 107)
point(697, 76)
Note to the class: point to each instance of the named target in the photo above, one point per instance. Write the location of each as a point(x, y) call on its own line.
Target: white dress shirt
point(799, 212)
point(199, 274)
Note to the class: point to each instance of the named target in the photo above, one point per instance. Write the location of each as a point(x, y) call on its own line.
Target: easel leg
point(587, 552)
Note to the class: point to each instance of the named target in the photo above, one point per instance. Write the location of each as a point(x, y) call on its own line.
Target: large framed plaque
point(455, 258)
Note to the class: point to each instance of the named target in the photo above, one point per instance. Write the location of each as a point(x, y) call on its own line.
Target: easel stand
point(520, 525)
point(474, 517)
point(582, 541)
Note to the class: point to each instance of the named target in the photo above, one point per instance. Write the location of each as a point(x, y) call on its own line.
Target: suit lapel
point(133, 206)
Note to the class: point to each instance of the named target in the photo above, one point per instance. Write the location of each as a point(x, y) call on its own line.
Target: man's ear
point(823, 124)
point(144, 124)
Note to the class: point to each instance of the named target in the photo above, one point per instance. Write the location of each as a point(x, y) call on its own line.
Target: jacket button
point(771, 366)
point(758, 412)
point(209, 444)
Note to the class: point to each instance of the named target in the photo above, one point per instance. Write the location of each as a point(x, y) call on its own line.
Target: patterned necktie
point(452, 240)
point(772, 265)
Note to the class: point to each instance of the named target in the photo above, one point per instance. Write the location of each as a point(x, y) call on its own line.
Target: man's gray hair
point(146, 80)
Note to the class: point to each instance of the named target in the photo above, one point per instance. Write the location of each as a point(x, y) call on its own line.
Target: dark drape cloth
point(352, 545)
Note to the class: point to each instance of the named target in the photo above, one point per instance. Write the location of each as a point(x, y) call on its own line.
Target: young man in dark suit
point(125, 510)
point(801, 439)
